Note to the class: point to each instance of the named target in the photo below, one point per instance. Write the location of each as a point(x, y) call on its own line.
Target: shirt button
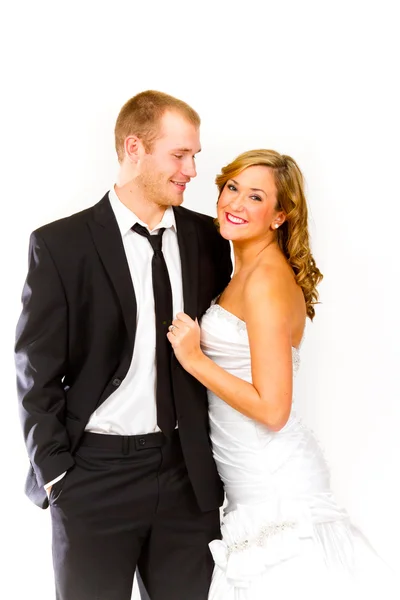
point(142, 442)
point(116, 382)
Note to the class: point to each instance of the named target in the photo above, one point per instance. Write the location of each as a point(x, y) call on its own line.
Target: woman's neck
point(249, 253)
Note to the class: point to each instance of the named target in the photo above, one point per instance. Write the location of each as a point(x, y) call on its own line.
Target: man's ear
point(133, 148)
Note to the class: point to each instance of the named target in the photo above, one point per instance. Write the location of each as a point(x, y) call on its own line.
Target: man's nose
point(189, 168)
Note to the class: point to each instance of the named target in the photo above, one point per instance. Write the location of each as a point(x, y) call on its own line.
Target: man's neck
point(146, 211)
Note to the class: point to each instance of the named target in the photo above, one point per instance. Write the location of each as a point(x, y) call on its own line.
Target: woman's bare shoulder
point(267, 281)
point(274, 286)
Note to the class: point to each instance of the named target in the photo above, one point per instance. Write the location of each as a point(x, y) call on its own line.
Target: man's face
point(168, 168)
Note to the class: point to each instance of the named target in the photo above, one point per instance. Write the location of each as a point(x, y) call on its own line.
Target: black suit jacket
point(76, 336)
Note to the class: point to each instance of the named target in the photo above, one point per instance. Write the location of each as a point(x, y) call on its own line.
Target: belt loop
point(125, 444)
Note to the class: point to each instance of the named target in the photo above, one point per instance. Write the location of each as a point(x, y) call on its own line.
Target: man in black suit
point(116, 430)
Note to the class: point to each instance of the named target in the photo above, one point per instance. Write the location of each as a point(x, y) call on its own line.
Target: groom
point(116, 430)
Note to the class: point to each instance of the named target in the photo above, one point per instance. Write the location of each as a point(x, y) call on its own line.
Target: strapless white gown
point(283, 534)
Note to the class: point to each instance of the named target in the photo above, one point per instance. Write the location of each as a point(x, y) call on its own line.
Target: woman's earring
point(276, 225)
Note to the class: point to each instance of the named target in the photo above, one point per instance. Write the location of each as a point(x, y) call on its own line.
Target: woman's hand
point(184, 336)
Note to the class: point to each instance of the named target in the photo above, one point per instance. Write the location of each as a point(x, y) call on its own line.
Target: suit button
point(116, 382)
point(142, 442)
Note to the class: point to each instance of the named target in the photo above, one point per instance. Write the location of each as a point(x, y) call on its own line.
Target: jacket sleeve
point(41, 364)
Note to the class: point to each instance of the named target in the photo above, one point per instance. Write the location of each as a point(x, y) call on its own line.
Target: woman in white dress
point(283, 534)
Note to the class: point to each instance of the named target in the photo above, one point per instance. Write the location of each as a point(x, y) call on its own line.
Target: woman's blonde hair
point(292, 235)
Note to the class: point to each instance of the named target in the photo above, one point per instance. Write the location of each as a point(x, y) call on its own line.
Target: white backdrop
point(316, 80)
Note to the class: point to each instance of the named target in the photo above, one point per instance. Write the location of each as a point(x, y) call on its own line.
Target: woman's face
point(246, 206)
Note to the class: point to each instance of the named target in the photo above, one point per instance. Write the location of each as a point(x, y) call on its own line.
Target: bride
point(283, 533)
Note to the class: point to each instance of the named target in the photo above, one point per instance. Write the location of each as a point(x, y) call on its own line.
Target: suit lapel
point(189, 252)
point(108, 242)
point(107, 239)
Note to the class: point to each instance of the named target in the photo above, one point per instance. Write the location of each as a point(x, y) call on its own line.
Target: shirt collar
point(126, 218)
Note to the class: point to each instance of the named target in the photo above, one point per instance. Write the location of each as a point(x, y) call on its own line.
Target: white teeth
point(235, 219)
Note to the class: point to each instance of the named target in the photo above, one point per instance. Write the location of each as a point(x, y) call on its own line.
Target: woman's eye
point(231, 187)
point(178, 155)
point(256, 198)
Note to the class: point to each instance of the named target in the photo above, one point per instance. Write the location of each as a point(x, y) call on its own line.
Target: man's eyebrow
point(186, 150)
point(252, 189)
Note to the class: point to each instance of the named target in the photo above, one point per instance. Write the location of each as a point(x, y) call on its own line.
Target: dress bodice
point(224, 339)
point(252, 460)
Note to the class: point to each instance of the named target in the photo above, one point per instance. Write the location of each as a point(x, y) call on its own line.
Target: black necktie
point(166, 415)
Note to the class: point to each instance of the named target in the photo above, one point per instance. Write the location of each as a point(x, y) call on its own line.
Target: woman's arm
point(266, 312)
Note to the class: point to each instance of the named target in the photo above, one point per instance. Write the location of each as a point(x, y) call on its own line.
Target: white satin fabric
point(283, 534)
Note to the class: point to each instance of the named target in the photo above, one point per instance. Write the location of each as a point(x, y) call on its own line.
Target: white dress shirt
point(131, 409)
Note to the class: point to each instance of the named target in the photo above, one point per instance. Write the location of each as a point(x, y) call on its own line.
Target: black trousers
point(128, 503)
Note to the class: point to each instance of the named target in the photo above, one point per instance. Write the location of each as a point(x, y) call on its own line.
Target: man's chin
point(171, 201)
